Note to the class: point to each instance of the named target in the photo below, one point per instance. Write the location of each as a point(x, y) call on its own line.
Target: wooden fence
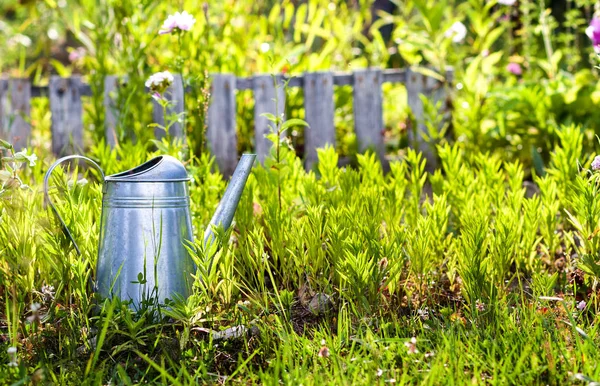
point(65, 95)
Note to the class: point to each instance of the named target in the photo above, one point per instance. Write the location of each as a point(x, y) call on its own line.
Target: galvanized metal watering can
point(145, 225)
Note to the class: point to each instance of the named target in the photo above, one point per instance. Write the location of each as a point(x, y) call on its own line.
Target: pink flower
point(593, 32)
point(514, 68)
point(596, 163)
point(77, 54)
point(178, 22)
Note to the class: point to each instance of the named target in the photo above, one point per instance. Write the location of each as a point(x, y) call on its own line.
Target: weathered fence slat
point(67, 114)
point(111, 109)
point(417, 84)
point(175, 94)
point(15, 96)
point(265, 94)
point(221, 134)
point(368, 111)
point(319, 108)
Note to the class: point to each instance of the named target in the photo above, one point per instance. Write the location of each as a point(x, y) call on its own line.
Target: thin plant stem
point(165, 126)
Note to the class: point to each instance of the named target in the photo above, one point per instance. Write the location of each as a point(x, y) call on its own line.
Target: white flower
point(457, 32)
point(48, 292)
point(379, 373)
point(12, 354)
point(160, 81)
point(22, 156)
point(480, 305)
point(412, 346)
point(264, 47)
point(423, 314)
point(35, 314)
point(20, 39)
point(179, 21)
point(53, 34)
point(507, 2)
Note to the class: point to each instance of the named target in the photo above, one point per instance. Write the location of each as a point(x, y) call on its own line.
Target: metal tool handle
point(47, 195)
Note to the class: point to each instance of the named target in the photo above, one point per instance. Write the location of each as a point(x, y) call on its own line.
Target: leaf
point(293, 122)
point(60, 68)
point(269, 116)
point(492, 37)
point(538, 162)
point(5, 144)
point(428, 72)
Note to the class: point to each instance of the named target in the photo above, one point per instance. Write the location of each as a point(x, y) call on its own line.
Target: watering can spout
point(226, 209)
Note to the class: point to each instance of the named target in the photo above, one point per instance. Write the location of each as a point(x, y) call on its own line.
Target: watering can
point(145, 226)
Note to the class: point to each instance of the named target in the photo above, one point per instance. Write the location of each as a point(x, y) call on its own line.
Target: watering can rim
point(172, 171)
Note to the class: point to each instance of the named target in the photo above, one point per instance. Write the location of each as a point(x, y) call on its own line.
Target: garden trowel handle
point(47, 195)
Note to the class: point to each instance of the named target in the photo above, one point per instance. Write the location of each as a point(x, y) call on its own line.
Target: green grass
point(485, 276)
point(489, 262)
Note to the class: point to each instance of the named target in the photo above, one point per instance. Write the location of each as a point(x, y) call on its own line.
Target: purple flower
point(514, 68)
point(596, 163)
point(179, 21)
point(581, 305)
point(593, 32)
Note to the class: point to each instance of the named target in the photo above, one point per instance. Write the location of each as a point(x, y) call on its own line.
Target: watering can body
point(146, 229)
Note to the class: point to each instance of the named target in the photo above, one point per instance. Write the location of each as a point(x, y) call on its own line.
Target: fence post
point(417, 84)
point(15, 96)
point(319, 108)
point(67, 114)
point(221, 134)
point(175, 95)
point(264, 102)
point(368, 111)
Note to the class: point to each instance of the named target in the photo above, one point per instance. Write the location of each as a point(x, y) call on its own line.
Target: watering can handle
point(47, 195)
